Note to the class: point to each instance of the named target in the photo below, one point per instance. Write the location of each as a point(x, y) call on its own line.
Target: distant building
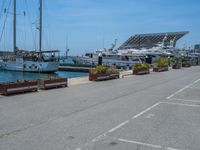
point(150, 40)
point(197, 48)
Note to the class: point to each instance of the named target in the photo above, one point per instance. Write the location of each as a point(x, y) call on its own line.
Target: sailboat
point(30, 61)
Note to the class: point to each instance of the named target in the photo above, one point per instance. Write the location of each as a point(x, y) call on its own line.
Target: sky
point(87, 25)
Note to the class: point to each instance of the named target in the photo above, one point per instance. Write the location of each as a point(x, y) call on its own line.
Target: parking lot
point(171, 124)
point(150, 112)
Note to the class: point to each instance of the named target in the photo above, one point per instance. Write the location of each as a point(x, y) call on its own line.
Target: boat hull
point(30, 66)
point(106, 62)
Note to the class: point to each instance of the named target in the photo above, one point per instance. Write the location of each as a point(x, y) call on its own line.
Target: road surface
point(156, 111)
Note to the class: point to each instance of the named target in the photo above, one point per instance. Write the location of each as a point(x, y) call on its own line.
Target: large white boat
point(109, 58)
point(125, 58)
point(30, 61)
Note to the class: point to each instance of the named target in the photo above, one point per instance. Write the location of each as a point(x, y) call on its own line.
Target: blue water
point(12, 76)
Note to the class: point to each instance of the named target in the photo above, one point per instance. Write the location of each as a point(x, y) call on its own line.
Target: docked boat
point(66, 60)
point(124, 58)
point(110, 57)
point(116, 59)
point(30, 61)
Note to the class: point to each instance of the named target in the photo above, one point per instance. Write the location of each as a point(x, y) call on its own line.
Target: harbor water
point(12, 76)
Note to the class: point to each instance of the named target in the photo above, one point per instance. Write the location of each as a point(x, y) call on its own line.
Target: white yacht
point(122, 58)
point(118, 59)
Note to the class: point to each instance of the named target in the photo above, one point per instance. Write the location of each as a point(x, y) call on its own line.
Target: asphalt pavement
point(155, 111)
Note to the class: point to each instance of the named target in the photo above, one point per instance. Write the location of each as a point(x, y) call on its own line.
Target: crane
point(113, 45)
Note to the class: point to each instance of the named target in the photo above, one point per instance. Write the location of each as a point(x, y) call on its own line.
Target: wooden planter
point(177, 66)
point(186, 65)
point(140, 72)
point(160, 69)
point(52, 83)
point(101, 77)
point(18, 87)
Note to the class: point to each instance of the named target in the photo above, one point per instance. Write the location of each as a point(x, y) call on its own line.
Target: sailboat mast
point(14, 27)
point(40, 28)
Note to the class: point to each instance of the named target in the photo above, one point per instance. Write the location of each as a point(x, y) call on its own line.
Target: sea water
point(13, 76)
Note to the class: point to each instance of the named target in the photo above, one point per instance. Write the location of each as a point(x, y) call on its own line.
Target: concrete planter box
point(52, 83)
point(101, 77)
point(18, 87)
point(141, 72)
point(155, 69)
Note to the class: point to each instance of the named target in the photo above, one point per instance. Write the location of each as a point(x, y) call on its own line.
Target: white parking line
point(98, 138)
point(180, 104)
point(140, 143)
point(184, 100)
point(102, 136)
point(187, 86)
point(146, 144)
point(146, 110)
point(124, 123)
point(134, 117)
point(119, 126)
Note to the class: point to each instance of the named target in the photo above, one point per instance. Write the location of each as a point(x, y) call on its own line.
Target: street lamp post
point(169, 63)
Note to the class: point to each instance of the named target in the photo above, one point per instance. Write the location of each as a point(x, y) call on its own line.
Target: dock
point(74, 69)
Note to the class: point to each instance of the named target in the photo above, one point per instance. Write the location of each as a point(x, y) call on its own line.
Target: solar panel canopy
point(150, 40)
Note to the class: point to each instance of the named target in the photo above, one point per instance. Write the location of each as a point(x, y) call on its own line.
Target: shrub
point(185, 59)
point(162, 62)
point(140, 67)
point(103, 70)
point(177, 60)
